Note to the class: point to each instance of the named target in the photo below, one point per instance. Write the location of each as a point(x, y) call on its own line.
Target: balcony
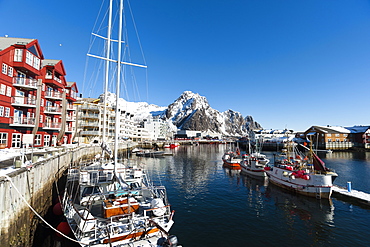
point(90, 107)
point(23, 101)
point(53, 95)
point(70, 118)
point(70, 129)
point(89, 123)
point(71, 108)
point(52, 126)
point(22, 122)
point(53, 110)
point(95, 116)
point(90, 133)
point(25, 83)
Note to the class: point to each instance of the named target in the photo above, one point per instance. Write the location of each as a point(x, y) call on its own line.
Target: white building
point(90, 122)
point(157, 129)
point(276, 136)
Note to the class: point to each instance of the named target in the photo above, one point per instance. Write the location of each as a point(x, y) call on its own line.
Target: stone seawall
point(35, 184)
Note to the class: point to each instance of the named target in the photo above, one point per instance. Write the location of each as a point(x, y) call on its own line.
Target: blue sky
point(288, 63)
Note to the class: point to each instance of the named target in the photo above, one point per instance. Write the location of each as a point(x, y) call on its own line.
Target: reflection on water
point(216, 206)
point(347, 155)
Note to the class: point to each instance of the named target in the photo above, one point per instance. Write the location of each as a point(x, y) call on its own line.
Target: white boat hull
point(252, 169)
point(318, 185)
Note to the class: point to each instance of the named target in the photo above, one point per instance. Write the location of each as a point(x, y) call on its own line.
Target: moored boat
point(232, 159)
point(304, 175)
point(106, 205)
point(149, 153)
point(254, 164)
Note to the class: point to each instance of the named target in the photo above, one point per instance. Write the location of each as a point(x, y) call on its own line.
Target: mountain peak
point(192, 112)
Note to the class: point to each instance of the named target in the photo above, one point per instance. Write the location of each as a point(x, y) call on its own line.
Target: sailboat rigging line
point(35, 212)
point(137, 33)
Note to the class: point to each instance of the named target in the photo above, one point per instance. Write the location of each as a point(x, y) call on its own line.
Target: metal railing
point(25, 82)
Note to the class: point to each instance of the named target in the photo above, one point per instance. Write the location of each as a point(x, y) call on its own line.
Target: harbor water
point(220, 207)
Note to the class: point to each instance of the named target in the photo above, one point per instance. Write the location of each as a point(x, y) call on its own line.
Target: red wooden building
point(34, 96)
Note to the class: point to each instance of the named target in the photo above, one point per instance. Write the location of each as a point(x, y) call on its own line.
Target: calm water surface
point(218, 207)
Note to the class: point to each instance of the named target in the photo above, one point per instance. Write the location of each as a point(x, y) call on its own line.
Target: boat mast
point(117, 126)
point(107, 70)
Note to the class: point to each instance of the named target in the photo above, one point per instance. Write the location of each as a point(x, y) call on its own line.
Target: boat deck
point(352, 196)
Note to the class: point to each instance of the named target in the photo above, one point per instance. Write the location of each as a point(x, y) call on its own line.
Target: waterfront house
point(329, 137)
point(360, 136)
point(32, 95)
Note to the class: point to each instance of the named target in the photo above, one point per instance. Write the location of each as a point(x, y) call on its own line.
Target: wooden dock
point(353, 196)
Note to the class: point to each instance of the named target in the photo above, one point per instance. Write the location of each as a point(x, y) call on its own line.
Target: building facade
point(33, 95)
point(329, 137)
point(90, 122)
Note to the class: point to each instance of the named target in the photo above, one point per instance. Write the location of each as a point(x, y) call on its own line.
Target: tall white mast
point(106, 81)
point(117, 126)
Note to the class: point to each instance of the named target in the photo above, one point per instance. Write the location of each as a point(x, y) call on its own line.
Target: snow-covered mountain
point(141, 110)
point(191, 112)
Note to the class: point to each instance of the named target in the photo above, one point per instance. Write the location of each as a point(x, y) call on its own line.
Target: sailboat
point(108, 203)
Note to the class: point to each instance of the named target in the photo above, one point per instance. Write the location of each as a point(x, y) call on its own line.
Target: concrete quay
point(353, 196)
point(34, 184)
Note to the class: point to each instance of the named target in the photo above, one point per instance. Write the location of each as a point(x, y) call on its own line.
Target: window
point(49, 74)
point(54, 140)
point(337, 140)
point(18, 55)
point(336, 135)
point(7, 112)
point(46, 140)
point(329, 134)
point(329, 140)
point(8, 91)
point(41, 118)
point(2, 89)
point(3, 138)
point(1, 111)
point(16, 140)
point(42, 102)
point(36, 63)
point(5, 69)
point(10, 71)
point(38, 140)
point(29, 58)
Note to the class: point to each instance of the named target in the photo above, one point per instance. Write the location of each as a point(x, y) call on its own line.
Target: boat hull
point(318, 185)
point(259, 173)
point(252, 167)
point(232, 165)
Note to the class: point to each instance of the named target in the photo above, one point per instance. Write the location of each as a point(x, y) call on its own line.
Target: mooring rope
point(34, 211)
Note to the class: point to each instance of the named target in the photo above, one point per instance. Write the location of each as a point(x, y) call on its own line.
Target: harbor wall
point(35, 184)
